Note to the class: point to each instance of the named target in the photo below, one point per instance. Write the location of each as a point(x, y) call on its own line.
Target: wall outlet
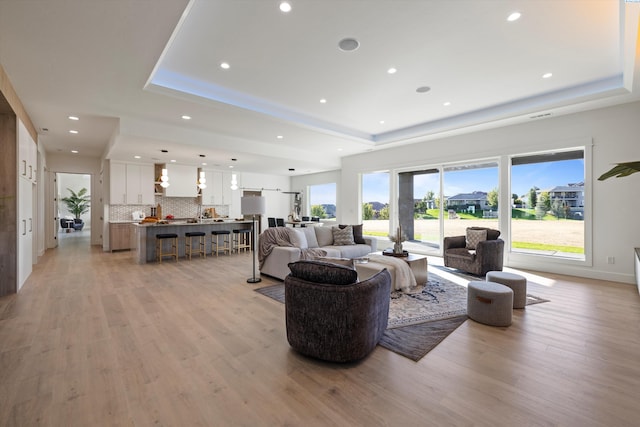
point(611, 260)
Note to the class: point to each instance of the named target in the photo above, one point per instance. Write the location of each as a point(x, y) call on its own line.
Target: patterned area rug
point(419, 320)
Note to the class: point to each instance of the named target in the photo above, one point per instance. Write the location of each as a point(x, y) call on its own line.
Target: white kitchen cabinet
point(25, 231)
point(183, 181)
point(27, 154)
point(140, 184)
point(218, 191)
point(117, 183)
point(131, 184)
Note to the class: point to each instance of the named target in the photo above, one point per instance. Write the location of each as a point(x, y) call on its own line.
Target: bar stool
point(160, 238)
point(241, 240)
point(188, 244)
point(216, 244)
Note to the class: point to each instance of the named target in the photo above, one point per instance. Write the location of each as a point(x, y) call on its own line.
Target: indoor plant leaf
point(621, 170)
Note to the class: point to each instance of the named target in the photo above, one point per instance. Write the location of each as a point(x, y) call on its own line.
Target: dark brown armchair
point(472, 253)
point(331, 316)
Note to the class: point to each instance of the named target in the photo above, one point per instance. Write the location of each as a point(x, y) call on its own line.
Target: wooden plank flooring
point(96, 340)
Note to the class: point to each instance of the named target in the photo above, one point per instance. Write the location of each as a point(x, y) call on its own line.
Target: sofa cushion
point(324, 235)
point(298, 238)
point(474, 237)
point(351, 251)
point(323, 272)
point(347, 262)
point(343, 236)
point(310, 234)
point(357, 233)
point(462, 253)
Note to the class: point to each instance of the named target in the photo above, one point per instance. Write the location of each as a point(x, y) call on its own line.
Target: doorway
point(72, 203)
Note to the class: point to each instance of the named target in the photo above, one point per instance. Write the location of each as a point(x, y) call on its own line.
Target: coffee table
point(418, 265)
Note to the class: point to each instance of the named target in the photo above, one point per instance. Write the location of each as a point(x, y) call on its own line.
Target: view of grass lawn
point(528, 234)
point(543, 247)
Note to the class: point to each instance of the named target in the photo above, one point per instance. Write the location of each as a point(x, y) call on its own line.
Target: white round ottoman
point(517, 283)
point(489, 303)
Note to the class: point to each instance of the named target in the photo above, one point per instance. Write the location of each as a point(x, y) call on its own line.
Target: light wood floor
point(94, 339)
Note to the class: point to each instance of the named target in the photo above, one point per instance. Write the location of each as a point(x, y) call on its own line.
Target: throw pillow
point(474, 237)
point(310, 234)
point(357, 234)
point(323, 272)
point(324, 235)
point(298, 239)
point(347, 262)
point(343, 236)
point(491, 233)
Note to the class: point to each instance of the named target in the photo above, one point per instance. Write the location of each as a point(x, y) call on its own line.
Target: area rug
point(419, 320)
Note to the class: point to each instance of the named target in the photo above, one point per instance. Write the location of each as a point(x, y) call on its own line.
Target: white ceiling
point(129, 69)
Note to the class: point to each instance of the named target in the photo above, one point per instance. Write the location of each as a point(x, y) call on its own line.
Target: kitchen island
point(145, 235)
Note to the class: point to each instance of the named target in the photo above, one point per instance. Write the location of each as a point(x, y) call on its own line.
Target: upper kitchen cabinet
point(140, 184)
point(218, 191)
point(131, 184)
point(183, 181)
point(27, 154)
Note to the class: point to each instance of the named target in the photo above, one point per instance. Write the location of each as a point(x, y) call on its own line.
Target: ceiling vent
point(539, 116)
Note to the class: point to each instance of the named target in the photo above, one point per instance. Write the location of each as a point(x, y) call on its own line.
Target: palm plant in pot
point(78, 204)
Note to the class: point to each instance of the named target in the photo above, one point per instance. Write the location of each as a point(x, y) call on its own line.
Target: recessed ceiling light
point(446, 104)
point(392, 70)
point(323, 101)
point(423, 89)
point(137, 157)
point(74, 151)
point(225, 65)
point(73, 131)
point(279, 136)
point(285, 7)
point(204, 164)
point(230, 166)
point(186, 117)
point(339, 149)
point(547, 75)
point(74, 118)
point(514, 16)
point(348, 44)
point(173, 161)
point(381, 122)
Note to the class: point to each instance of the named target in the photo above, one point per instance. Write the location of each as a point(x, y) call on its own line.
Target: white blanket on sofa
point(405, 280)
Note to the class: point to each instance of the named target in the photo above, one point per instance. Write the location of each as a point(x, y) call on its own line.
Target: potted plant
point(78, 203)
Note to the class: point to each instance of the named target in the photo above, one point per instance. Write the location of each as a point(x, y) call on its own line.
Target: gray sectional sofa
point(279, 246)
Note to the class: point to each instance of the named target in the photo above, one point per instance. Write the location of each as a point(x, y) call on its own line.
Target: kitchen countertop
point(144, 235)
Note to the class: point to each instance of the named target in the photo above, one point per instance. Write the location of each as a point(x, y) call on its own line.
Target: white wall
point(278, 204)
point(615, 132)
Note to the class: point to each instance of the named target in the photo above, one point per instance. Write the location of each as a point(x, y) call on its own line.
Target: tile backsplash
point(179, 207)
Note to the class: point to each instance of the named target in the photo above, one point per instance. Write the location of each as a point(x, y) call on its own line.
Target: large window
point(470, 198)
point(322, 201)
point(547, 217)
point(375, 204)
point(419, 208)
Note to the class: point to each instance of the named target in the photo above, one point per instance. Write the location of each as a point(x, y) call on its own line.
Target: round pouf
point(517, 283)
point(489, 303)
